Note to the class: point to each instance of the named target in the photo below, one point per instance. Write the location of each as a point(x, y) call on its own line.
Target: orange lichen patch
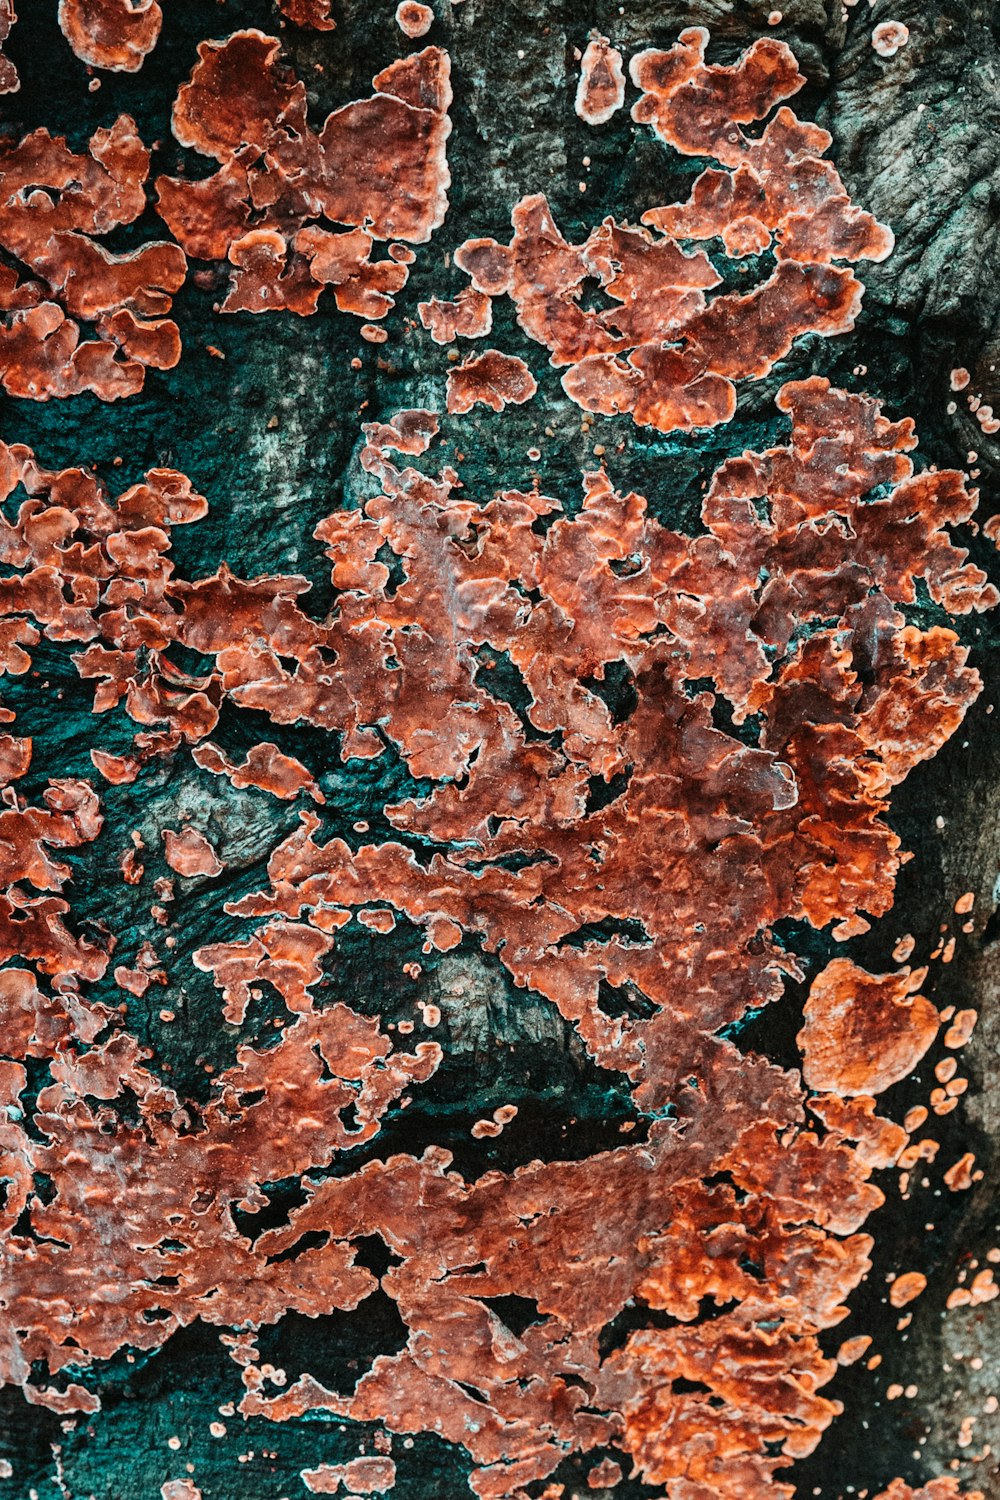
point(959, 1177)
point(377, 921)
point(981, 1289)
point(666, 353)
point(55, 204)
point(361, 1476)
point(115, 34)
point(91, 571)
point(605, 1475)
point(479, 1242)
point(601, 90)
point(190, 853)
point(179, 1489)
point(410, 432)
point(702, 744)
point(278, 177)
point(668, 611)
point(889, 37)
point(851, 1350)
point(879, 1141)
point(863, 1032)
point(962, 1026)
point(9, 81)
point(470, 316)
point(314, 14)
point(414, 19)
point(907, 1288)
point(717, 1437)
point(35, 1024)
point(695, 107)
point(265, 768)
point(15, 757)
point(286, 954)
point(492, 379)
point(274, 1112)
point(925, 1150)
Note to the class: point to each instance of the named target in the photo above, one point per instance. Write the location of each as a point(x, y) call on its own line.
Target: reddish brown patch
point(278, 177)
point(605, 836)
point(265, 768)
point(56, 202)
point(492, 379)
point(601, 90)
point(959, 1176)
point(667, 354)
point(414, 19)
point(863, 1032)
point(469, 317)
point(907, 1288)
point(360, 1476)
point(314, 14)
point(605, 1475)
point(190, 853)
point(115, 34)
point(9, 81)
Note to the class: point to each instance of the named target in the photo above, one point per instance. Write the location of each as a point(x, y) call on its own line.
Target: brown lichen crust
point(701, 742)
point(114, 34)
point(626, 866)
point(493, 379)
point(863, 1032)
point(55, 205)
point(120, 34)
point(314, 14)
point(9, 81)
point(601, 90)
point(278, 178)
point(668, 354)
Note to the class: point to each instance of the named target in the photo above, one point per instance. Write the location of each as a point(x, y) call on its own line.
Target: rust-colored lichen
point(190, 853)
point(310, 13)
point(361, 1476)
point(120, 34)
point(666, 353)
point(889, 37)
point(863, 1032)
point(701, 741)
point(469, 316)
point(54, 206)
point(9, 81)
point(265, 767)
point(278, 178)
point(492, 379)
point(701, 843)
point(115, 34)
point(601, 90)
point(414, 19)
point(907, 1288)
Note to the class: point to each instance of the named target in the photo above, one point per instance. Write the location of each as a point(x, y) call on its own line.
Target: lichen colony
point(625, 763)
